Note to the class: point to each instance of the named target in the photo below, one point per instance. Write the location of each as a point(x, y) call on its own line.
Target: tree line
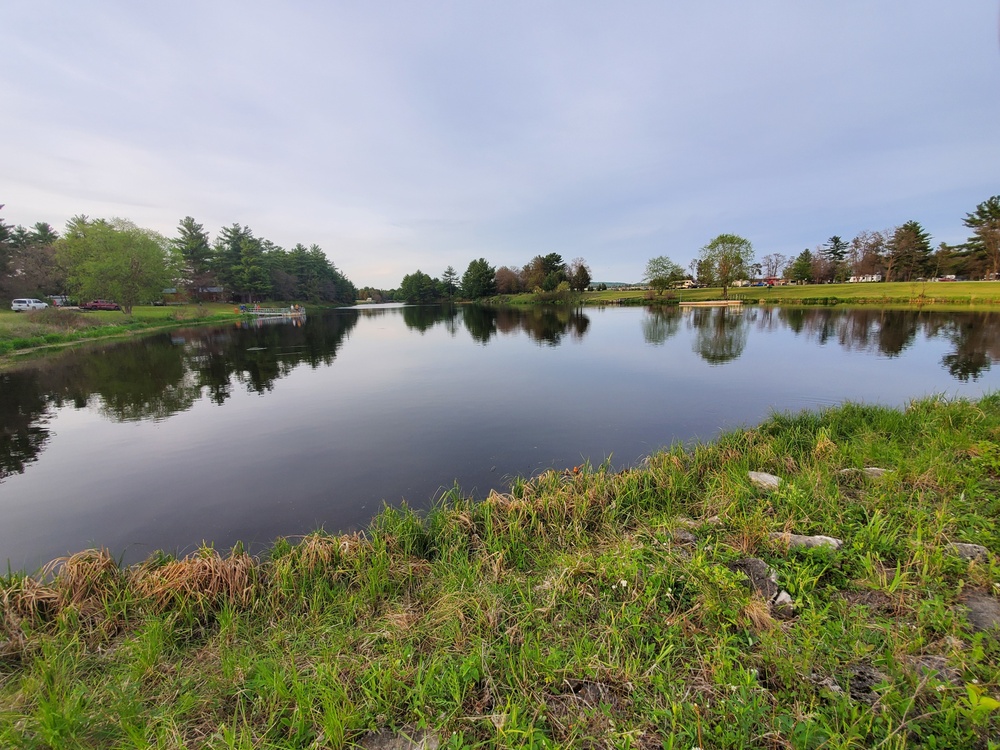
point(117, 260)
point(546, 275)
point(903, 253)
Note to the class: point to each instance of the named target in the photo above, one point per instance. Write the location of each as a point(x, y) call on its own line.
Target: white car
point(20, 305)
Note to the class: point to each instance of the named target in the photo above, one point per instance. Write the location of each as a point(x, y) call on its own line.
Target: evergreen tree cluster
point(252, 268)
point(547, 274)
point(236, 266)
point(905, 253)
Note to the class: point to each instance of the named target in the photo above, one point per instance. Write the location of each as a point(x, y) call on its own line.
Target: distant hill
point(612, 284)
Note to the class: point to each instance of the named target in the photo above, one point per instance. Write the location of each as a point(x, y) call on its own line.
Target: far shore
point(25, 334)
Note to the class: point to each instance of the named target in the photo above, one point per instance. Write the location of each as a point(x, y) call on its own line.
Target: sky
point(419, 135)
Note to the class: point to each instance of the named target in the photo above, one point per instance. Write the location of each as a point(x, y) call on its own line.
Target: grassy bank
point(588, 608)
point(59, 327)
point(956, 294)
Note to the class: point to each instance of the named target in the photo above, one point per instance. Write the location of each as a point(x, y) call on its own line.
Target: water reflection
point(976, 339)
point(720, 333)
point(24, 413)
point(661, 324)
point(124, 445)
point(974, 336)
point(424, 317)
point(890, 332)
point(156, 377)
point(544, 325)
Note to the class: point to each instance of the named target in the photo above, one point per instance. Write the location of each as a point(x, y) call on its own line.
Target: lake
point(264, 429)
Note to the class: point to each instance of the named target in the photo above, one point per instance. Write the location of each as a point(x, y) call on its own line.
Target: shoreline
point(663, 605)
point(152, 319)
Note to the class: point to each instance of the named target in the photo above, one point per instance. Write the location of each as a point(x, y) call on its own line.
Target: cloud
point(401, 136)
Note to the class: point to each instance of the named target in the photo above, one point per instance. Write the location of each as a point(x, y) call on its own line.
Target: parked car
point(100, 304)
point(20, 305)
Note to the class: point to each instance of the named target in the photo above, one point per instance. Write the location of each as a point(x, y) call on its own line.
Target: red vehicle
point(100, 304)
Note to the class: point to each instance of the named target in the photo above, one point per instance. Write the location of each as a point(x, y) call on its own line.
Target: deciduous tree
point(509, 280)
point(418, 287)
point(661, 272)
point(773, 264)
point(117, 260)
point(729, 256)
point(867, 252)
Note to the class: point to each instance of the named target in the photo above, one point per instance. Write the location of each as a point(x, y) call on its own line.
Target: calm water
point(232, 433)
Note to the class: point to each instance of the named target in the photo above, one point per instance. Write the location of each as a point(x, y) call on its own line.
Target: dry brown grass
point(85, 584)
point(320, 552)
point(86, 578)
point(25, 603)
point(758, 615)
point(203, 579)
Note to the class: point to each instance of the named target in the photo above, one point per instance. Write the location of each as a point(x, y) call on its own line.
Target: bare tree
point(867, 251)
point(773, 264)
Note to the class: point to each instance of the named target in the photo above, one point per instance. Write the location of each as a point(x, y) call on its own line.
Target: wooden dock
point(295, 311)
point(714, 303)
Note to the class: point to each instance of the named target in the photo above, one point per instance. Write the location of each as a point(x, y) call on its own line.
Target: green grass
point(958, 294)
point(570, 611)
point(54, 326)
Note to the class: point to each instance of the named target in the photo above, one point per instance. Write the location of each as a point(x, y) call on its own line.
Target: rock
point(799, 540)
point(406, 739)
point(764, 481)
point(983, 612)
point(683, 536)
point(764, 581)
point(862, 683)
point(761, 577)
point(782, 607)
point(976, 552)
point(590, 693)
point(935, 666)
point(826, 682)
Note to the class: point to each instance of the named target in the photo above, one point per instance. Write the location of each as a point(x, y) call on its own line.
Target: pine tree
point(985, 240)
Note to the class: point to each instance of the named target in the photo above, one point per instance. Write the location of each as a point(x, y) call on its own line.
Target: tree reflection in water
point(975, 336)
point(24, 414)
point(156, 377)
point(720, 333)
point(161, 375)
point(660, 324)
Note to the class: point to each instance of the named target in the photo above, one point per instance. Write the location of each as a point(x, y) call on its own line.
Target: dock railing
point(274, 311)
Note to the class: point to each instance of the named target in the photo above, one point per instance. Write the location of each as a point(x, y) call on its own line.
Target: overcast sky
point(411, 134)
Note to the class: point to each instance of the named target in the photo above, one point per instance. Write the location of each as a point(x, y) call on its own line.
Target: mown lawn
point(583, 608)
point(963, 294)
